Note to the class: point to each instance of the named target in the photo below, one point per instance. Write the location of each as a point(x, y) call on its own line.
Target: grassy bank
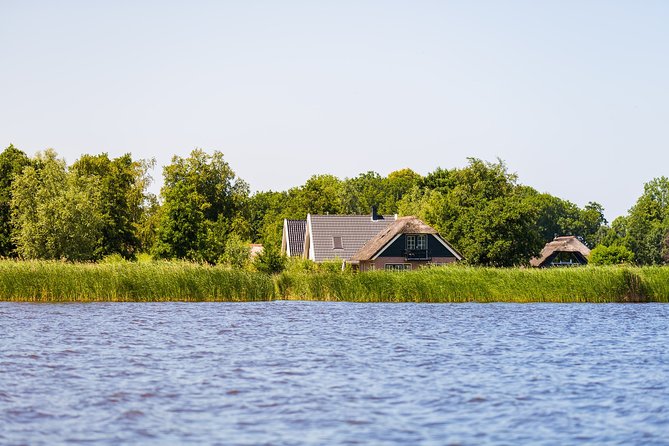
point(180, 281)
point(151, 281)
point(467, 284)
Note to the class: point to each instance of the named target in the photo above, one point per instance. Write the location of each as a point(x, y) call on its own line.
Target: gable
point(398, 247)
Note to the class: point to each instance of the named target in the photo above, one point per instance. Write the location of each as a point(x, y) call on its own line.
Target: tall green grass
point(470, 284)
point(181, 281)
point(147, 281)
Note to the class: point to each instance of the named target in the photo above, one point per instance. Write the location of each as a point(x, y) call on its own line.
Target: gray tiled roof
point(296, 230)
point(354, 230)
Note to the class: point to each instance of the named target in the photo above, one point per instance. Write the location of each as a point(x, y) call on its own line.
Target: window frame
point(399, 267)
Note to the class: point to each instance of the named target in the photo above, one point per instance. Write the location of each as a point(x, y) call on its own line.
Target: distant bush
point(237, 252)
point(270, 261)
point(611, 255)
point(113, 259)
point(300, 265)
point(334, 266)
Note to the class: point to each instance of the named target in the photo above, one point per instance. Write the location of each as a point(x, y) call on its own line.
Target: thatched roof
point(403, 225)
point(567, 243)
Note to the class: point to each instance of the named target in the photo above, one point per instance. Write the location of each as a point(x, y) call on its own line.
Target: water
point(298, 373)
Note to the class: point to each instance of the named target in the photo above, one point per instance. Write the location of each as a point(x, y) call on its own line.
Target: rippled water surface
point(310, 373)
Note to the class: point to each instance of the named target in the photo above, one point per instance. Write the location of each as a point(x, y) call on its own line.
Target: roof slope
point(295, 230)
point(567, 243)
point(403, 225)
point(354, 230)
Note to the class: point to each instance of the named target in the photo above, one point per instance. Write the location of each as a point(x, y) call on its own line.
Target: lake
point(316, 373)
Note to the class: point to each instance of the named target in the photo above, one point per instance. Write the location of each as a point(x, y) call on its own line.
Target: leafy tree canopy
point(12, 163)
point(57, 214)
point(201, 198)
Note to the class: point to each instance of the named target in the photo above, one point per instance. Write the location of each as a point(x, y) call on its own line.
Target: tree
point(123, 184)
point(398, 184)
point(12, 163)
point(481, 210)
point(561, 217)
point(266, 211)
point(359, 194)
point(202, 196)
point(648, 223)
point(56, 214)
point(321, 194)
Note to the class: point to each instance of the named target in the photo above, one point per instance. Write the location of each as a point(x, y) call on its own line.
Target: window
point(397, 267)
point(411, 242)
point(421, 241)
point(416, 242)
point(336, 243)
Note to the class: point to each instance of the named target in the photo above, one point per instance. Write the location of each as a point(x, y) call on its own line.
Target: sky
point(572, 95)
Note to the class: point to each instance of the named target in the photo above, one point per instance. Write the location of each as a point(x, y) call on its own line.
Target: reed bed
point(470, 284)
point(38, 281)
point(655, 283)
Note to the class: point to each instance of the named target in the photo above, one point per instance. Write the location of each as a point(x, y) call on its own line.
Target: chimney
point(376, 216)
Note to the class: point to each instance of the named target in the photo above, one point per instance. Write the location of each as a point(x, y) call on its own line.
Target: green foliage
point(115, 258)
point(266, 211)
point(359, 194)
point(398, 184)
point(491, 219)
point(237, 252)
point(270, 261)
point(300, 265)
point(611, 255)
point(202, 196)
point(12, 163)
point(474, 284)
point(333, 266)
point(57, 214)
point(560, 217)
point(122, 185)
point(121, 280)
point(647, 224)
point(321, 194)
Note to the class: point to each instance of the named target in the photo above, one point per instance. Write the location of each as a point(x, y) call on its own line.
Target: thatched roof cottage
point(405, 244)
point(562, 251)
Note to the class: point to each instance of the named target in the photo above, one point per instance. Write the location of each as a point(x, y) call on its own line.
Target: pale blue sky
point(573, 95)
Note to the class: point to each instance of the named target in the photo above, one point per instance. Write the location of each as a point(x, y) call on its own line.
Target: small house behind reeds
point(562, 251)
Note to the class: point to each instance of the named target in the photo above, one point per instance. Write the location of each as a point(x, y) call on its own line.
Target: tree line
point(100, 206)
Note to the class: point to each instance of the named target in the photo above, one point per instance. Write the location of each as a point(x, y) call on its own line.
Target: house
point(292, 241)
point(373, 241)
point(330, 237)
point(405, 244)
point(562, 251)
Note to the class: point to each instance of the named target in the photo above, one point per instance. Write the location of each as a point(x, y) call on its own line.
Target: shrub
point(270, 261)
point(611, 255)
point(237, 252)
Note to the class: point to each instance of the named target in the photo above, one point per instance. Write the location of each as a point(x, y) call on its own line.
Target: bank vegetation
point(51, 281)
